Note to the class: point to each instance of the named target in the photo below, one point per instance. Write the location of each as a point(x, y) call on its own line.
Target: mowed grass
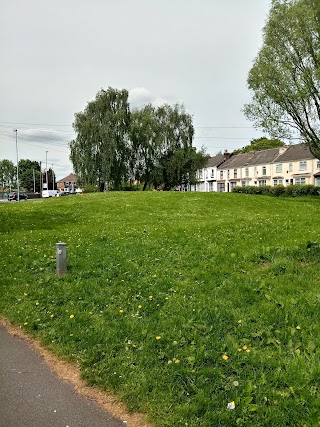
point(180, 303)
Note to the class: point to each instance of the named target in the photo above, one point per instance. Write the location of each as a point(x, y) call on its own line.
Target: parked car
point(49, 193)
point(13, 195)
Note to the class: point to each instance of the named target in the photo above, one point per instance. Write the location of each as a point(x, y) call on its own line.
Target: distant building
point(293, 164)
point(69, 182)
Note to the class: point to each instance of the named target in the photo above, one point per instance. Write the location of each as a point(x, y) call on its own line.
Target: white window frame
point(264, 170)
point(303, 165)
point(279, 168)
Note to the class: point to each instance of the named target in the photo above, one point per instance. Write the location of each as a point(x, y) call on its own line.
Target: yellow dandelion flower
point(225, 357)
point(121, 311)
point(51, 315)
point(71, 316)
point(71, 335)
point(244, 347)
point(158, 337)
point(248, 350)
point(150, 297)
point(298, 327)
point(239, 321)
point(139, 306)
point(25, 323)
point(177, 361)
point(37, 302)
point(25, 294)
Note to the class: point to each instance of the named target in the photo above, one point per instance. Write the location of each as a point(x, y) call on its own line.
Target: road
point(31, 395)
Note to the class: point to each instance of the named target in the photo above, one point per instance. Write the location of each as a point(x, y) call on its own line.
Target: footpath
point(31, 395)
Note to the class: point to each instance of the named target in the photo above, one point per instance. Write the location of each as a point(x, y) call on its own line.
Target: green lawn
point(180, 303)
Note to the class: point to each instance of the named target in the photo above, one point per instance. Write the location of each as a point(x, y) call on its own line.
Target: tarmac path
point(31, 395)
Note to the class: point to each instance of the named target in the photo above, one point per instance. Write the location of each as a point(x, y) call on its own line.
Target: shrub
point(280, 190)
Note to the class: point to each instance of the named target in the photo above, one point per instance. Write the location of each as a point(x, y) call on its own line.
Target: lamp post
point(16, 131)
point(47, 171)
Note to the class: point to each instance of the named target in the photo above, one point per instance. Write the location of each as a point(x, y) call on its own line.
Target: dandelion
point(239, 321)
point(225, 357)
point(248, 350)
point(298, 328)
point(37, 302)
point(177, 361)
point(150, 297)
point(244, 347)
point(25, 323)
point(158, 337)
point(121, 311)
point(139, 306)
point(71, 316)
point(52, 315)
point(231, 405)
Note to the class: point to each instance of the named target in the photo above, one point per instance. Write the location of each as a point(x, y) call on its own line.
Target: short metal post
point(61, 258)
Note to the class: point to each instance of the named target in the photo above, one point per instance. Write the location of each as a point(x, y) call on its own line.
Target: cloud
point(140, 96)
point(45, 136)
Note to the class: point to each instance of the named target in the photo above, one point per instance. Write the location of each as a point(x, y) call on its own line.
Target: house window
point(300, 181)
point(220, 187)
point(221, 174)
point(279, 168)
point(277, 182)
point(228, 174)
point(200, 174)
point(318, 165)
point(247, 171)
point(233, 184)
point(245, 183)
point(303, 166)
point(264, 170)
point(290, 167)
point(262, 183)
point(210, 186)
point(212, 173)
point(235, 173)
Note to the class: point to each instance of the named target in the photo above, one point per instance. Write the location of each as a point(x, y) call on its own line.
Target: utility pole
point(52, 177)
point(34, 181)
point(16, 131)
point(47, 171)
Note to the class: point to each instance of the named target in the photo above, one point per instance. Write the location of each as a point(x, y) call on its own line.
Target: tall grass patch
point(199, 309)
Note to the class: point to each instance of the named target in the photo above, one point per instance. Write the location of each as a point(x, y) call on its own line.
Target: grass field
point(183, 304)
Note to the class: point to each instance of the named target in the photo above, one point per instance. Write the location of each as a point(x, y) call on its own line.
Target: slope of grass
point(181, 303)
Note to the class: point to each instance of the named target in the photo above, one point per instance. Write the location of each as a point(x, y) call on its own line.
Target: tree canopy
point(7, 173)
point(262, 143)
point(285, 77)
point(152, 145)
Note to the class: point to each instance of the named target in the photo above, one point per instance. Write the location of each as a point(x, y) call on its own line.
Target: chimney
point(226, 155)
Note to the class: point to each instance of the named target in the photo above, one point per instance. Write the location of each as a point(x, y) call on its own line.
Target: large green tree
point(100, 151)
point(161, 146)
point(7, 173)
point(29, 174)
point(285, 77)
point(259, 144)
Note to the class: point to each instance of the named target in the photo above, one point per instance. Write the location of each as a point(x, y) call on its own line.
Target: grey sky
point(57, 54)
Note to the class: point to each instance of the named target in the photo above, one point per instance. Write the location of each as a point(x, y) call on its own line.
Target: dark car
point(13, 195)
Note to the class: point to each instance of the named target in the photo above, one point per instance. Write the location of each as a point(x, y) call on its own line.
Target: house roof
point(279, 154)
point(296, 152)
point(236, 161)
point(215, 160)
point(70, 178)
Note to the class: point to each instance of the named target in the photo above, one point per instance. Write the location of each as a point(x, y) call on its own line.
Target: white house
point(293, 164)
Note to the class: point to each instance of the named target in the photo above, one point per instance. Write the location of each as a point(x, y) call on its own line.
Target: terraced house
point(293, 164)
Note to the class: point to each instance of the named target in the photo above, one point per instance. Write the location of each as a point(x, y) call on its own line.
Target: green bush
point(280, 190)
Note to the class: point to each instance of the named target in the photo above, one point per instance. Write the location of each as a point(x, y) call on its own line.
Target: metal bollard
point(61, 258)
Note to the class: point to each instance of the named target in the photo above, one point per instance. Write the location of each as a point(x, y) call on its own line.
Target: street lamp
point(47, 171)
point(16, 131)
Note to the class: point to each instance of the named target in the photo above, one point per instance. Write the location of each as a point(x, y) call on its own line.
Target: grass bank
point(184, 304)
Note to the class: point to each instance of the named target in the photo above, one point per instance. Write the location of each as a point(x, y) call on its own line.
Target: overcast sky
point(57, 54)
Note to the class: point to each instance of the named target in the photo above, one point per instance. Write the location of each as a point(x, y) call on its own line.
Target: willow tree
point(285, 77)
point(100, 151)
point(161, 146)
